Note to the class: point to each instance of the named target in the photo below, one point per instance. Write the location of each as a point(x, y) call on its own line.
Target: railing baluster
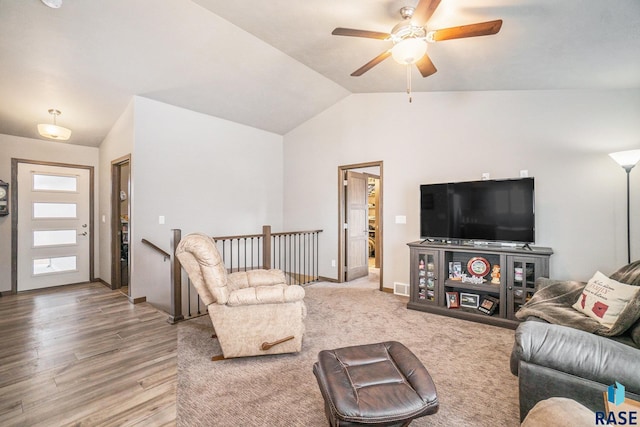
point(299, 269)
point(189, 297)
point(289, 258)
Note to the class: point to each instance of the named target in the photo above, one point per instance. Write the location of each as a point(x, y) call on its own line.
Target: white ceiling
point(274, 64)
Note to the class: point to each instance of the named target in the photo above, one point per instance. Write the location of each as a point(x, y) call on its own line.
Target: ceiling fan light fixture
point(53, 131)
point(409, 51)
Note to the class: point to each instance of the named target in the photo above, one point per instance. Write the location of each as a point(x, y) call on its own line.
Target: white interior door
point(53, 226)
point(357, 233)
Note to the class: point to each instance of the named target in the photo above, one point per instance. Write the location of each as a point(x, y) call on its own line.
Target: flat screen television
point(490, 210)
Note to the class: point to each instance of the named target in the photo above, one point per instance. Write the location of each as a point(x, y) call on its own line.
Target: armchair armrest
point(253, 278)
point(274, 294)
point(577, 353)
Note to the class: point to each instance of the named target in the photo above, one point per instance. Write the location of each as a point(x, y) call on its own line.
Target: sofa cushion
point(634, 332)
point(613, 304)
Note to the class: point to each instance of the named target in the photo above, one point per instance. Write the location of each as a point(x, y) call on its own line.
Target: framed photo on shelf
point(517, 273)
point(488, 305)
point(469, 300)
point(455, 270)
point(453, 301)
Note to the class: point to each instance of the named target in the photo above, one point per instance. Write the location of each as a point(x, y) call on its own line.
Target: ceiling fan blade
point(472, 30)
point(424, 10)
point(369, 65)
point(360, 33)
point(425, 66)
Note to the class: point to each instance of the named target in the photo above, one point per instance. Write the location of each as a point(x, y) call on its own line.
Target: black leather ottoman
point(381, 384)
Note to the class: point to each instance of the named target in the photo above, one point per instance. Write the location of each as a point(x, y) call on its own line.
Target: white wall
point(561, 137)
point(202, 174)
point(46, 151)
point(118, 143)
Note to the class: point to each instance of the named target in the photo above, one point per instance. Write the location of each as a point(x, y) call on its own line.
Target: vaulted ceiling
point(274, 64)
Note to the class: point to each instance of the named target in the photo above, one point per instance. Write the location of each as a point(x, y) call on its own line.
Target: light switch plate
point(161, 219)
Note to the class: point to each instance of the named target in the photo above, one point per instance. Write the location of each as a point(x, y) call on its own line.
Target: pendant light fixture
point(53, 131)
point(53, 4)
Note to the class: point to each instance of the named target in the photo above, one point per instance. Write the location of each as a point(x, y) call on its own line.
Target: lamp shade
point(54, 4)
point(626, 159)
point(409, 50)
point(54, 132)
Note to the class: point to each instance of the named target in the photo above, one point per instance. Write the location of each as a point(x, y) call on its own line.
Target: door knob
point(84, 225)
point(83, 234)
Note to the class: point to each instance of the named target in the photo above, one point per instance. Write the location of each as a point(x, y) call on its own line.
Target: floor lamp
point(627, 159)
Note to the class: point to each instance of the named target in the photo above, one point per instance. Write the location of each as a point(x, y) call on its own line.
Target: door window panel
point(46, 182)
point(54, 265)
point(55, 210)
point(54, 237)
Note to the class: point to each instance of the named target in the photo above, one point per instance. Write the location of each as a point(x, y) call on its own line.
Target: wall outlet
point(524, 173)
point(161, 219)
point(401, 219)
point(333, 263)
point(486, 176)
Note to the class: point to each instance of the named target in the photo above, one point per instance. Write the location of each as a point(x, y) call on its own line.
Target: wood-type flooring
point(83, 355)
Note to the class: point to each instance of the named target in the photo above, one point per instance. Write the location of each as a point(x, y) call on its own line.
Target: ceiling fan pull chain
point(409, 81)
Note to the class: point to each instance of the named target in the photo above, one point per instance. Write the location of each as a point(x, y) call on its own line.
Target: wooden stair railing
point(157, 249)
point(296, 253)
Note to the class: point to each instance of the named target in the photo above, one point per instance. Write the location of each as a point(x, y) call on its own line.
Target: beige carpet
point(469, 363)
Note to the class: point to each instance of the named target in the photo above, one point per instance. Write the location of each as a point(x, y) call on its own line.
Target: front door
point(357, 233)
point(53, 239)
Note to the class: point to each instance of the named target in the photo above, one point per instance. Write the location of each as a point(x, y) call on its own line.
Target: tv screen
point(492, 210)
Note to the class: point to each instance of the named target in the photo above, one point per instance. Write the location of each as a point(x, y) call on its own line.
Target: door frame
point(377, 211)
point(116, 270)
point(341, 215)
point(14, 215)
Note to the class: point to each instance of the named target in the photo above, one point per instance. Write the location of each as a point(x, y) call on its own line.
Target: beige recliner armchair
point(253, 312)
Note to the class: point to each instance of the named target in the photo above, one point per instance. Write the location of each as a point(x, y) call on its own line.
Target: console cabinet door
point(522, 272)
point(424, 277)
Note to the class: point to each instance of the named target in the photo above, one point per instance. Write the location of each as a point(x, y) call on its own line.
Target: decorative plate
point(478, 266)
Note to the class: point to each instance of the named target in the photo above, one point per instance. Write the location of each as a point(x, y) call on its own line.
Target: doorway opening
point(120, 221)
point(360, 234)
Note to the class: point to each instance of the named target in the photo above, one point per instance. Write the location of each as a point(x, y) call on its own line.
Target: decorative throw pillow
point(613, 304)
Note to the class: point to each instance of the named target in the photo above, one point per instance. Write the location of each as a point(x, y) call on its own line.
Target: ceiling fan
point(410, 37)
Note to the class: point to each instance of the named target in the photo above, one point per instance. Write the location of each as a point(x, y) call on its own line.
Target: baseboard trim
point(387, 290)
point(99, 280)
point(137, 300)
point(326, 279)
